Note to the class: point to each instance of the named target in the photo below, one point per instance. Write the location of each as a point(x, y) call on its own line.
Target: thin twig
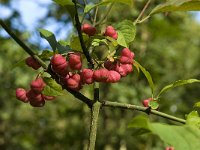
point(78, 27)
point(143, 10)
point(95, 16)
point(143, 109)
point(105, 15)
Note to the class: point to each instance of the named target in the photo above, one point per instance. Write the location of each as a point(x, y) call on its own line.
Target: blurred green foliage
point(167, 45)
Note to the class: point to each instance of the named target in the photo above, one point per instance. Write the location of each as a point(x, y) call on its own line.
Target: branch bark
point(94, 118)
point(78, 27)
point(143, 109)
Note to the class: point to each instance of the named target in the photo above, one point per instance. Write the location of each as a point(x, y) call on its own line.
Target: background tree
point(163, 45)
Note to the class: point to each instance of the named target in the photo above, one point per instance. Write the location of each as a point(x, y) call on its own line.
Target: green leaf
point(126, 32)
point(180, 137)
point(63, 47)
point(177, 83)
point(147, 75)
point(153, 104)
point(46, 54)
point(193, 119)
point(121, 39)
point(75, 42)
point(177, 5)
point(64, 2)
point(139, 125)
point(197, 104)
point(89, 7)
point(128, 2)
point(50, 37)
point(52, 88)
point(18, 64)
point(97, 42)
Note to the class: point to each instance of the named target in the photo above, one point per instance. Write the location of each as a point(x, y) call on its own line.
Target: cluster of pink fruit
point(34, 95)
point(73, 76)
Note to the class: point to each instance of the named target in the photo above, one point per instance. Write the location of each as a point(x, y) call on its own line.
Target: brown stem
point(78, 27)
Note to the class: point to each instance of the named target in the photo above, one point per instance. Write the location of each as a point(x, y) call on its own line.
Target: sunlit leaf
point(193, 119)
point(180, 137)
point(50, 37)
point(177, 5)
point(126, 32)
point(52, 88)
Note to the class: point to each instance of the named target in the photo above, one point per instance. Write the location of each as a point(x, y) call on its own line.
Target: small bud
point(21, 95)
point(169, 148)
point(88, 29)
point(31, 62)
point(146, 102)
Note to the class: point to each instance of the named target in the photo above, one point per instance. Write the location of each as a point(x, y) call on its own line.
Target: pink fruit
point(126, 56)
point(146, 102)
point(124, 69)
point(21, 95)
point(101, 75)
point(31, 62)
point(36, 99)
point(126, 52)
point(59, 64)
point(88, 29)
point(32, 96)
point(87, 76)
point(73, 82)
point(38, 85)
point(113, 76)
point(75, 61)
point(110, 31)
point(169, 148)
